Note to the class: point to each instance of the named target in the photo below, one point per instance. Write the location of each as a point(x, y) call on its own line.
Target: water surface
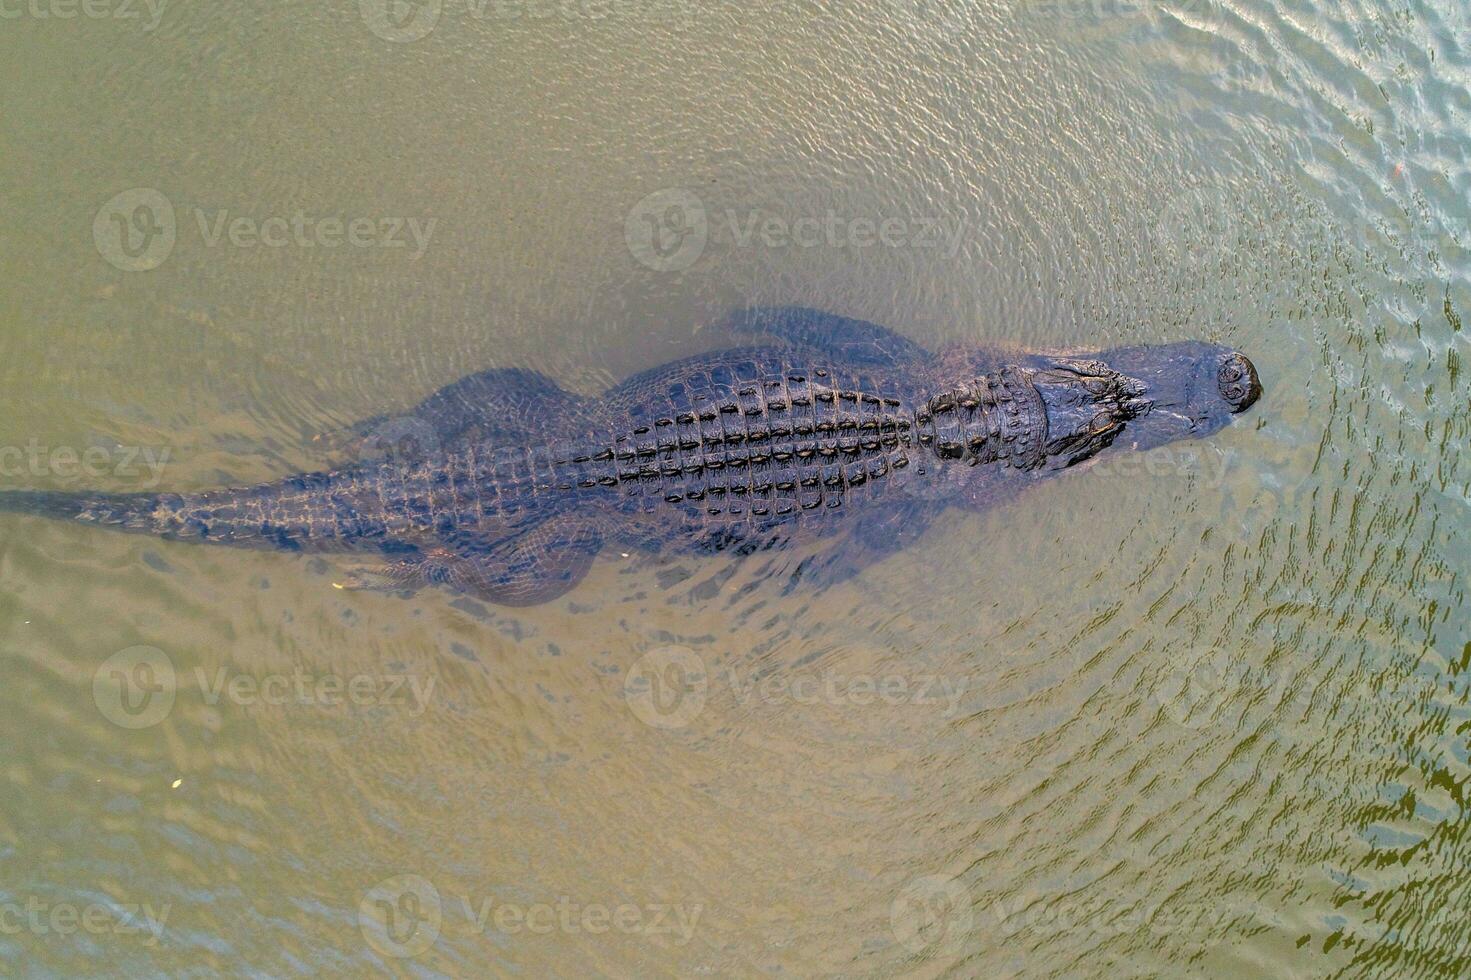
point(1200, 712)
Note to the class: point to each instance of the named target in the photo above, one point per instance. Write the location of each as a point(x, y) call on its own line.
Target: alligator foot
point(500, 406)
point(875, 538)
point(402, 577)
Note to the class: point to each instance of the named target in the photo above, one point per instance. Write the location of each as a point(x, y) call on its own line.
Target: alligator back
point(743, 440)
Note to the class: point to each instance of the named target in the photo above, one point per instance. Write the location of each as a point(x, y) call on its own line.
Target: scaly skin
point(742, 446)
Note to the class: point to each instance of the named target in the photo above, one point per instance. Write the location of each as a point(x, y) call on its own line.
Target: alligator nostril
point(1238, 382)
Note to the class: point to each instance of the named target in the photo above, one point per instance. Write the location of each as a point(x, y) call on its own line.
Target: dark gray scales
point(832, 429)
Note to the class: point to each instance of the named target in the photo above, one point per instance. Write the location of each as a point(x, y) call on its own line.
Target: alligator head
point(1047, 413)
point(1147, 396)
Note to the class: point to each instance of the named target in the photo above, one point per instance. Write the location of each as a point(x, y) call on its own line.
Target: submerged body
point(838, 425)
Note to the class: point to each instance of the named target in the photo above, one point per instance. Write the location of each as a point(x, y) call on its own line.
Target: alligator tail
point(123, 511)
point(279, 515)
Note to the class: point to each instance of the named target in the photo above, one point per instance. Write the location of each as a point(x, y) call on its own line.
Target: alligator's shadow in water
point(833, 430)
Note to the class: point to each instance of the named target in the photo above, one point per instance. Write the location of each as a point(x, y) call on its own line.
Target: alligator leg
point(875, 537)
point(403, 576)
point(533, 566)
point(500, 406)
point(850, 341)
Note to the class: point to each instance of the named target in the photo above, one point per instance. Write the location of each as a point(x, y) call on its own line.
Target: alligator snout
point(1238, 381)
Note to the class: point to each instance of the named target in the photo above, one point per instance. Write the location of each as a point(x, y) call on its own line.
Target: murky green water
point(1202, 712)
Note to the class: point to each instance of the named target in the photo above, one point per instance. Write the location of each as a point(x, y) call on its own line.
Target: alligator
point(825, 427)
